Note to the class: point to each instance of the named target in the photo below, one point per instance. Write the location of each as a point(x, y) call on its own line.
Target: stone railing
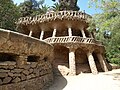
point(50, 16)
point(67, 39)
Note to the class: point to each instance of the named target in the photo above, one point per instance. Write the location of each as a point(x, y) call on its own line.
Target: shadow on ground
point(59, 81)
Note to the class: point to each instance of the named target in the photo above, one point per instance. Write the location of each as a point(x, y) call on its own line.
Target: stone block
point(17, 70)
point(17, 79)
point(4, 71)
point(30, 70)
point(36, 72)
point(29, 77)
point(2, 75)
point(25, 67)
point(33, 64)
point(1, 82)
point(26, 72)
point(10, 74)
point(3, 66)
point(11, 66)
point(16, 75)
point(7, 80)
point(23, 77)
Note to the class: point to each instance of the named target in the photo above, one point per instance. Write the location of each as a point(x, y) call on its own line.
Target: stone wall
point(25, 77)
point(25, 62)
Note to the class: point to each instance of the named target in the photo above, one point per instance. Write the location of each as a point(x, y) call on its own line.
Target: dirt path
point(102, 81)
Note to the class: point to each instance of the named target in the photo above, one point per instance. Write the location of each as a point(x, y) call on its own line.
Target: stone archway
point(82, 65)
point(61, 60)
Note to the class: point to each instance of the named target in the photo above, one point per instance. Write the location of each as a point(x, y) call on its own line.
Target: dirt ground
point(103, 81)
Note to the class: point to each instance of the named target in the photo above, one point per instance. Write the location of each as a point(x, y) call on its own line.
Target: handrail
point(69, 15)
point(67, 39)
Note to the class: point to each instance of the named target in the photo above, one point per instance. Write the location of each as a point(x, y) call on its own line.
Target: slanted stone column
point(41, 35)
point(54, 33)
point(21, 60)
point(102, 62)
point(92, 63)
point(72, 65)
point(69, 32)
point(30, 34)
point(83, 33)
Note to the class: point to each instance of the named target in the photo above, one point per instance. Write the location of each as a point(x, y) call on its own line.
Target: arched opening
point(61, 60)
point(97, 62)
point(82, 65)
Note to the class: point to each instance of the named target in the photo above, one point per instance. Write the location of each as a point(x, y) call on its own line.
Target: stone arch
point(61, 60)
point(82, 65)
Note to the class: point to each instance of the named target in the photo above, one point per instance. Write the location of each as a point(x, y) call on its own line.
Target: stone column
point(83, 33)
point(30, 34)
point(102, 62)
point(92, 63)
point(72, 65)
point(70, 32)
point(21, 60)
point(54, 33)
point(41, 35)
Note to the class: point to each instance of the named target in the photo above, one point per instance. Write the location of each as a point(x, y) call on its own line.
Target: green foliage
point(9, 13)
point(56, 7)
point(33, 7)
point(109, 19)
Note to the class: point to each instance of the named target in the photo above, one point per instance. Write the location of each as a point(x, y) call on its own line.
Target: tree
point(109, 20)
point(56, 7)
point(68, 5)
point(33, 7)
point(8, 14)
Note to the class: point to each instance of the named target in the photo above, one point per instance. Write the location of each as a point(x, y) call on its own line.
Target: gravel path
point(102, 81)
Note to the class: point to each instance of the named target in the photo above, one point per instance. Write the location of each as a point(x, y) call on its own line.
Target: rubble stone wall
point(25, 62)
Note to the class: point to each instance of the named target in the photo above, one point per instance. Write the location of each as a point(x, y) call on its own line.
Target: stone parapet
point(25, 62)
point(52, 16)
point(20, 44)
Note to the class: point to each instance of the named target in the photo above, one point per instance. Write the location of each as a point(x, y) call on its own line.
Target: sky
point(83, 4)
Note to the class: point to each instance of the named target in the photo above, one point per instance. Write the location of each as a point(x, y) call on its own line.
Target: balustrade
point(53, 16)
point(66, 39)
